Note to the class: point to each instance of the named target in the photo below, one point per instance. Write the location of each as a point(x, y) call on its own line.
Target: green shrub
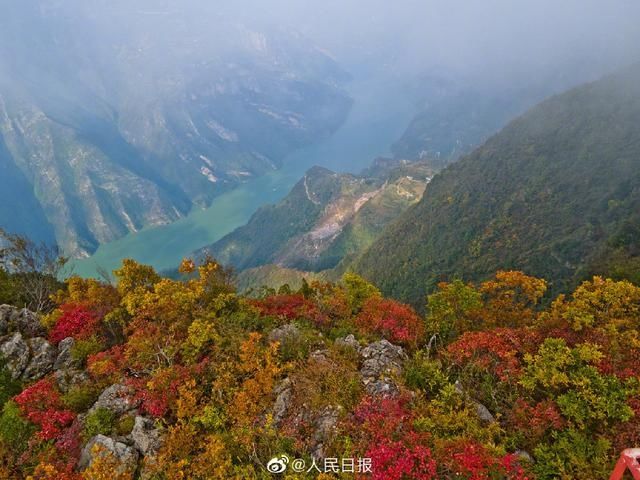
point(422, 373)
point(101, 420)
point(14, 430)
point(80, 397)
point(125, 425)
point(83, 348)
point(8, 386)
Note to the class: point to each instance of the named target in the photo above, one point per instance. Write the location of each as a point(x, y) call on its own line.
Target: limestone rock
point(381, 361)
point(66, 379)
point(15, 352)
point(349, 341)
point(117, 398)
point(283, 393)
point(147, 438)
point(65, 360)
point(43, 355)
point(21, 320)
point(284, 333)
point(126, 456)
point(324, 428)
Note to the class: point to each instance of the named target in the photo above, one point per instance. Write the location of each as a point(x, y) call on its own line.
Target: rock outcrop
point(101, 445)
point(27, 354)
point(381, 361)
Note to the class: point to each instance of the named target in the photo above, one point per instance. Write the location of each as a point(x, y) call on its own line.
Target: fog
point(491, 40)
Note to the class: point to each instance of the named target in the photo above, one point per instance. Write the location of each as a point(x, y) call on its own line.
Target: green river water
point(380, 113)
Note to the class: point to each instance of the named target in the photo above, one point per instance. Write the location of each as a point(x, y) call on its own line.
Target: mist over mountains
point(120, 118)
point(117, 116)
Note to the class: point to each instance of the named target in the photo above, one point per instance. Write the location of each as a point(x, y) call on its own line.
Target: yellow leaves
point(256, 391)
point(200, 333)
point(510, 299)
point(105, 466)
point(214, 463)
point(187, 266)
point(600, 302)
point(187, 400)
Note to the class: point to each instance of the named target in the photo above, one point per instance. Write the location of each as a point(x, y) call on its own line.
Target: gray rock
point(324, 428)
point(382, 388)
point(147, 438)
point(126, 456)
point(21, 320)
point(116, 398)
point(65, 360)
point(319, 356)
point(284, 333)
point(66, 379)
point(524, 456)
point(349, 341)
point(15, 352)
point(483, 413)
point(381, 361)
point(43, 354)
point(283, 393)
point(382, 357)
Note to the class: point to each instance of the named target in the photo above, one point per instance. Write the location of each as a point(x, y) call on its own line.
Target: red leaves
point(397, 322)
point(497, 351)
point(468, 460)
point(387, 434)
point(107, 364)
point(75, 321)
point(159, 394)
point(289, 307)
point(41, 404)
point(397, 460)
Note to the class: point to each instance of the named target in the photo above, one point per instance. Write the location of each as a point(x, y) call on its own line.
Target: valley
point(369, 130)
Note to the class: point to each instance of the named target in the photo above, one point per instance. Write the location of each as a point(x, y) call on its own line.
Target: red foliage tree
point(387, 436)
point(40, 403)
point(76, 321)
point(395, 321)
point(499, 351)
point(289, 307)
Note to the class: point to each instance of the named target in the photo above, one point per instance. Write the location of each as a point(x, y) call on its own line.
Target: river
point(380, 114)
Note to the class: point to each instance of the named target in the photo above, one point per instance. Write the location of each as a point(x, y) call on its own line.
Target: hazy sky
point(493, 40)
point(467, 35)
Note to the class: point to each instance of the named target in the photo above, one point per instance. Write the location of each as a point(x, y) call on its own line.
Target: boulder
point(21, 320)
point(284, 333)
point(147, 438)
point(283, 393)
point(43, 355)
point(117, 398)
point(126, 456)
point(381, 361)
point(15, 352)
point(349, 341)
point(324, 428)
point(65, 360)
point(66, 379)
point(483, 413)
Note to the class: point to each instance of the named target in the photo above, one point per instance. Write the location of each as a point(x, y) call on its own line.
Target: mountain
point(115, 116)
point(556, 194)
point(325, 219)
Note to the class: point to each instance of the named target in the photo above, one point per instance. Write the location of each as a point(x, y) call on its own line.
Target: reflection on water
point(379, 115)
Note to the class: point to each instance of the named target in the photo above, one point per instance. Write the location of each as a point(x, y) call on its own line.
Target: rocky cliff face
point(325, 219)
point(130, 129)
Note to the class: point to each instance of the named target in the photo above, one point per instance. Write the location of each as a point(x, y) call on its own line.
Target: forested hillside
point(326, 218)
point(556, 194)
